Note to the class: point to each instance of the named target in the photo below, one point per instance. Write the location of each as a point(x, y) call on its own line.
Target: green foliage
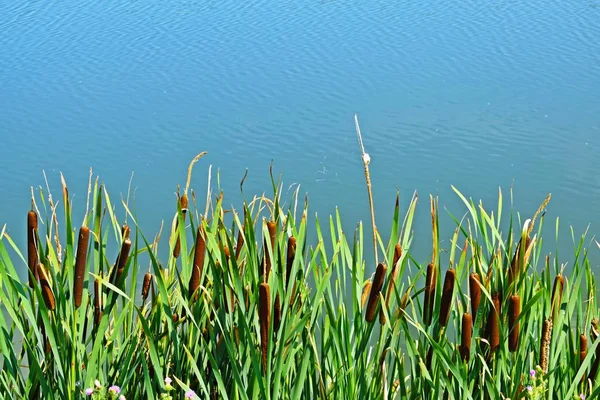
point(207, 344)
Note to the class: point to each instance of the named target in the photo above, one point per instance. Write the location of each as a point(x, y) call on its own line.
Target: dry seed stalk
point(375, 292)
point(264, 318)
point(514, 310)
point(80, 261)
point(475, 290)
point(32, 255)
point(198, 264)
point(430, 283)
point(47, 292)
point(183, 202)
point(466, 335)
point(393, 277)
point(446, 302)
point(545, 344)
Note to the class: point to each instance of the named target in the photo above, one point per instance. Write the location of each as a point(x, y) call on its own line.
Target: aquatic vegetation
point(261, 302)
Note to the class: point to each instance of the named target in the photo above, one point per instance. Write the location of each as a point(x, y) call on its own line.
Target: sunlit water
point(466, 93)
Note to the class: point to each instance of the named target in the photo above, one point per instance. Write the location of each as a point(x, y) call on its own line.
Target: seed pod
point(375, 292)
point(557, 292)
point(80, 260)
point(447, 291)
point(239, 244)
point(183, 202)
point(545, 344)
point(32, 255)
point(582, 348)
point(365, 293)
point(125, 231)
point(146, 285)
point(175, 317)
point(475, 290)
point(514, 309)
point(199, 253)
point(466, 335)
point(272, 228)
point(122, 260)
point(493, 329)
point(392, 284)
point(430, 283)
point(264, 318)
point(47, 292)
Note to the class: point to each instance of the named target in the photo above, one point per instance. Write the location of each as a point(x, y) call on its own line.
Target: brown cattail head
point(365, 293)
point(375, 292)
point(430, 283)
point(183, 202)
point(545, 344)
point(264, 318)
point(493, 329)
point(466, 335)
point(80, 261)
point(582, 348)
point(291, 255)
point(514, 310)
point(199, 253)
point(475, 290)
point(240, 243)
point(122, 260)
point(447, 291)
point(97, 302)
point(125, 231)
point(557, 291)
point(272, 228)
point(392, 284)
point(47, 292)
point(277, 313)
point(32, 255)
point(146, 285)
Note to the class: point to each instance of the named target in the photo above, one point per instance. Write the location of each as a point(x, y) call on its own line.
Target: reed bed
point(245, 306)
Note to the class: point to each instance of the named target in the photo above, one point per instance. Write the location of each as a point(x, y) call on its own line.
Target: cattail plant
point(32, 254)
point(97, 302)
point(594, 333)
point(492, 329)
point(264, 318)
point(146, 285)
point(198, 263)
point(557, 292)
point(239, 243)
point(277, 313)
point(514, 310)
point(291, 254)
point(125, 231)
point(46, 287)
point(272, 228)
point(80, 261)
point(430, 283)
point(375, 292)
point(121, 261)
point(183, 202)
point(446, 301)
point(392, 284)
point(475, 290)
point(465, 338)
point(545, 344)
point(582, 348)
point(365, 294)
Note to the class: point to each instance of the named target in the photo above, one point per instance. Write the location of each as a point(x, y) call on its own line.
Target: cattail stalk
point(272, 228)
point(545, 344)
point(447, 291)
point(514, 310)
point(264, 318)
point(121, 260)
point(466, 335)
point(493, 330)
point(80, 261)
point(183, 202)
point(198, 264)
point(146, 285)
point(32, 255)
point(475, 290)
point(47, 292)
point(375, 292)
point(392, 284)
point(430, 283)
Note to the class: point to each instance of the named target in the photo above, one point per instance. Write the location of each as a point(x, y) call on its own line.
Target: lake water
point(478, 94)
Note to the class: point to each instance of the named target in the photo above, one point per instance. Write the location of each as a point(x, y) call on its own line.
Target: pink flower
point(97, 384)
point(190, 394)
point(115, 389)
point(168, 381)
point(532, 373)
point(89, 391)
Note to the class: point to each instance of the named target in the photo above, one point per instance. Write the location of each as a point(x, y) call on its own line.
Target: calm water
point(471, 93)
